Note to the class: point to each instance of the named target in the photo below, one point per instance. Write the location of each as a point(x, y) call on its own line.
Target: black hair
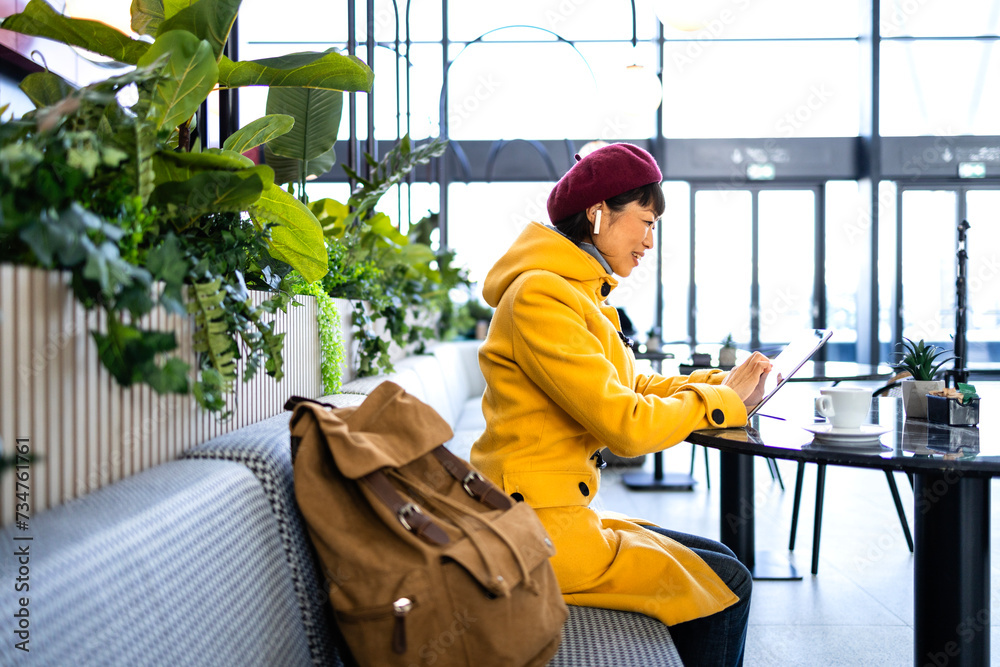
point(577, 227)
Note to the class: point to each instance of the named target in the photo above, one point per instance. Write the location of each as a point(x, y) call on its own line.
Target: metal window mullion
point(370, 144)
point(442, 161)
point(352, 102)
point(692, 287)
point(897, 309)
point(819, 260)
point(961, 347)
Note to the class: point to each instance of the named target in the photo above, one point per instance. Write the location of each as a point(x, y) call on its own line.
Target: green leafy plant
point(139, 214)
point(728, 342)
point(922, 361)
point(331, 339)
point(465, 316)
point(395, 278)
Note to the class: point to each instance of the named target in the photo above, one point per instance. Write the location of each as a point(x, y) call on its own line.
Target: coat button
point(605, 289)
point(584, 489)
point(517, 496)
point(718, 416)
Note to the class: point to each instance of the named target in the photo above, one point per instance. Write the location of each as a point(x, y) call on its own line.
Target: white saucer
point(854, 446)
point(867, 434)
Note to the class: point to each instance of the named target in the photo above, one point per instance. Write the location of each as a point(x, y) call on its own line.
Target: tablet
point(785, 365)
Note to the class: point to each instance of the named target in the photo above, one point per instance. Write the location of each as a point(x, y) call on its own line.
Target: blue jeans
point(719, 639)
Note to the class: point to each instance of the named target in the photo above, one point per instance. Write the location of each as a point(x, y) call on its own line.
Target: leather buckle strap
point(473, 482)
point(409, 509)
point(472, 477)
point(408, 513)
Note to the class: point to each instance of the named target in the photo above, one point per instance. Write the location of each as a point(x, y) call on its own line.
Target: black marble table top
point(909, 444)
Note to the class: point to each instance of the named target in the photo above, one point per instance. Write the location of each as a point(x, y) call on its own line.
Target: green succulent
point(922, 361)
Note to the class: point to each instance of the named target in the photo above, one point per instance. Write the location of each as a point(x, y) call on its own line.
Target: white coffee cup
point(844, 407)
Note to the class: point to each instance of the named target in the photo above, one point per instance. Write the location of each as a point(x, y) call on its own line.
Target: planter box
point(915, 396)
point(85, 429)
point(950, 411)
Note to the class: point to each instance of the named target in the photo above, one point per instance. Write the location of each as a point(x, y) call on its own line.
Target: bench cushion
point(595, 636)
point(264, 448)
point(179, 565)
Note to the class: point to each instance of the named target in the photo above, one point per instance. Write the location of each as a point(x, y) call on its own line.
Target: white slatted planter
point(87, 430)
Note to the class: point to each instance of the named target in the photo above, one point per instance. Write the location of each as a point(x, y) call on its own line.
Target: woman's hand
point(747, 379)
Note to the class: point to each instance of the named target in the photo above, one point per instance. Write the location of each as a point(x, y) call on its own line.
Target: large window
point(929, 220)
point(761, 89)
point(939, 67)
point(738, 257)
point(763, 304)
point(787, 263)
point(845, 240)
point(928, 266)
point(983, 272)
point(723, 269)
point(942, 88)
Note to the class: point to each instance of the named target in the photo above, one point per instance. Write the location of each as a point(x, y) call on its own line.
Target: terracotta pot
point(915, 396)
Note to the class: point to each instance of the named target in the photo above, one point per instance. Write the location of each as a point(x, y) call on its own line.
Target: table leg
point(951, 569)
point(736, 527)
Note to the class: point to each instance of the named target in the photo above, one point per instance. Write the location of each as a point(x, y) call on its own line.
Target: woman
point(561, 385)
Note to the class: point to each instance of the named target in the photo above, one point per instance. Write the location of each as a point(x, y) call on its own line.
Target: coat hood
point(540, 247)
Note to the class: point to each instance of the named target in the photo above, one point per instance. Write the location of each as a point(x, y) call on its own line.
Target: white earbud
point(597, 222)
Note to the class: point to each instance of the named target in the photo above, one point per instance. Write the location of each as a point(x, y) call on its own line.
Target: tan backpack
point(426, 562)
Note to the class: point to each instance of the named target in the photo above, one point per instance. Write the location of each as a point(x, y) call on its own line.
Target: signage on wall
point(972, 170)
point(760, 171)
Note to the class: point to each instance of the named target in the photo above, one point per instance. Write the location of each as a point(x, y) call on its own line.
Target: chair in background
point(891, 388)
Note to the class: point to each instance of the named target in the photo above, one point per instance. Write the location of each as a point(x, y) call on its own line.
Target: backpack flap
point(503, 551)
point(388, 430)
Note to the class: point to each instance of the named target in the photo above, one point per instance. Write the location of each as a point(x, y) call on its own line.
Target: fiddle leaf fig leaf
point(46, 88)
point(385, 232)
point(259, 132)
point(291, 170)
point(317, 118)
point(209, 159)
point(210, 20)
point(39, 19)
point(327, 70)
point(192, 74)
point(147, 15)
point(331, 214)
point(212, 191)
point(296, 235)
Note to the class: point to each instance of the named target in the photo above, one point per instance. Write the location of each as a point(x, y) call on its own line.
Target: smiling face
point(624, 236)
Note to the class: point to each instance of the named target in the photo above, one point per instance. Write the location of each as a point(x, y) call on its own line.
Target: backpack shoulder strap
point(470, 479)
point(408, 513)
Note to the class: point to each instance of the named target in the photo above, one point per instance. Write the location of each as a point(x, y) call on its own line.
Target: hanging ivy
point(331, 337)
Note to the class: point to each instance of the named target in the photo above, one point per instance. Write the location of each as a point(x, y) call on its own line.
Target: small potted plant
point(922, 362)
point(727, 355)
point(653, 340)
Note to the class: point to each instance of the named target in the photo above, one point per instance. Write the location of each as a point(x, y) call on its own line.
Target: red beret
point(606, 172)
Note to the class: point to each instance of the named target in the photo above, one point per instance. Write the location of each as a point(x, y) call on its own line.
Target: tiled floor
point(858, 610)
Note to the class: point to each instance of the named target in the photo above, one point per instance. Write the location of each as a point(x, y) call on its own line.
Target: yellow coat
point(560, 386)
